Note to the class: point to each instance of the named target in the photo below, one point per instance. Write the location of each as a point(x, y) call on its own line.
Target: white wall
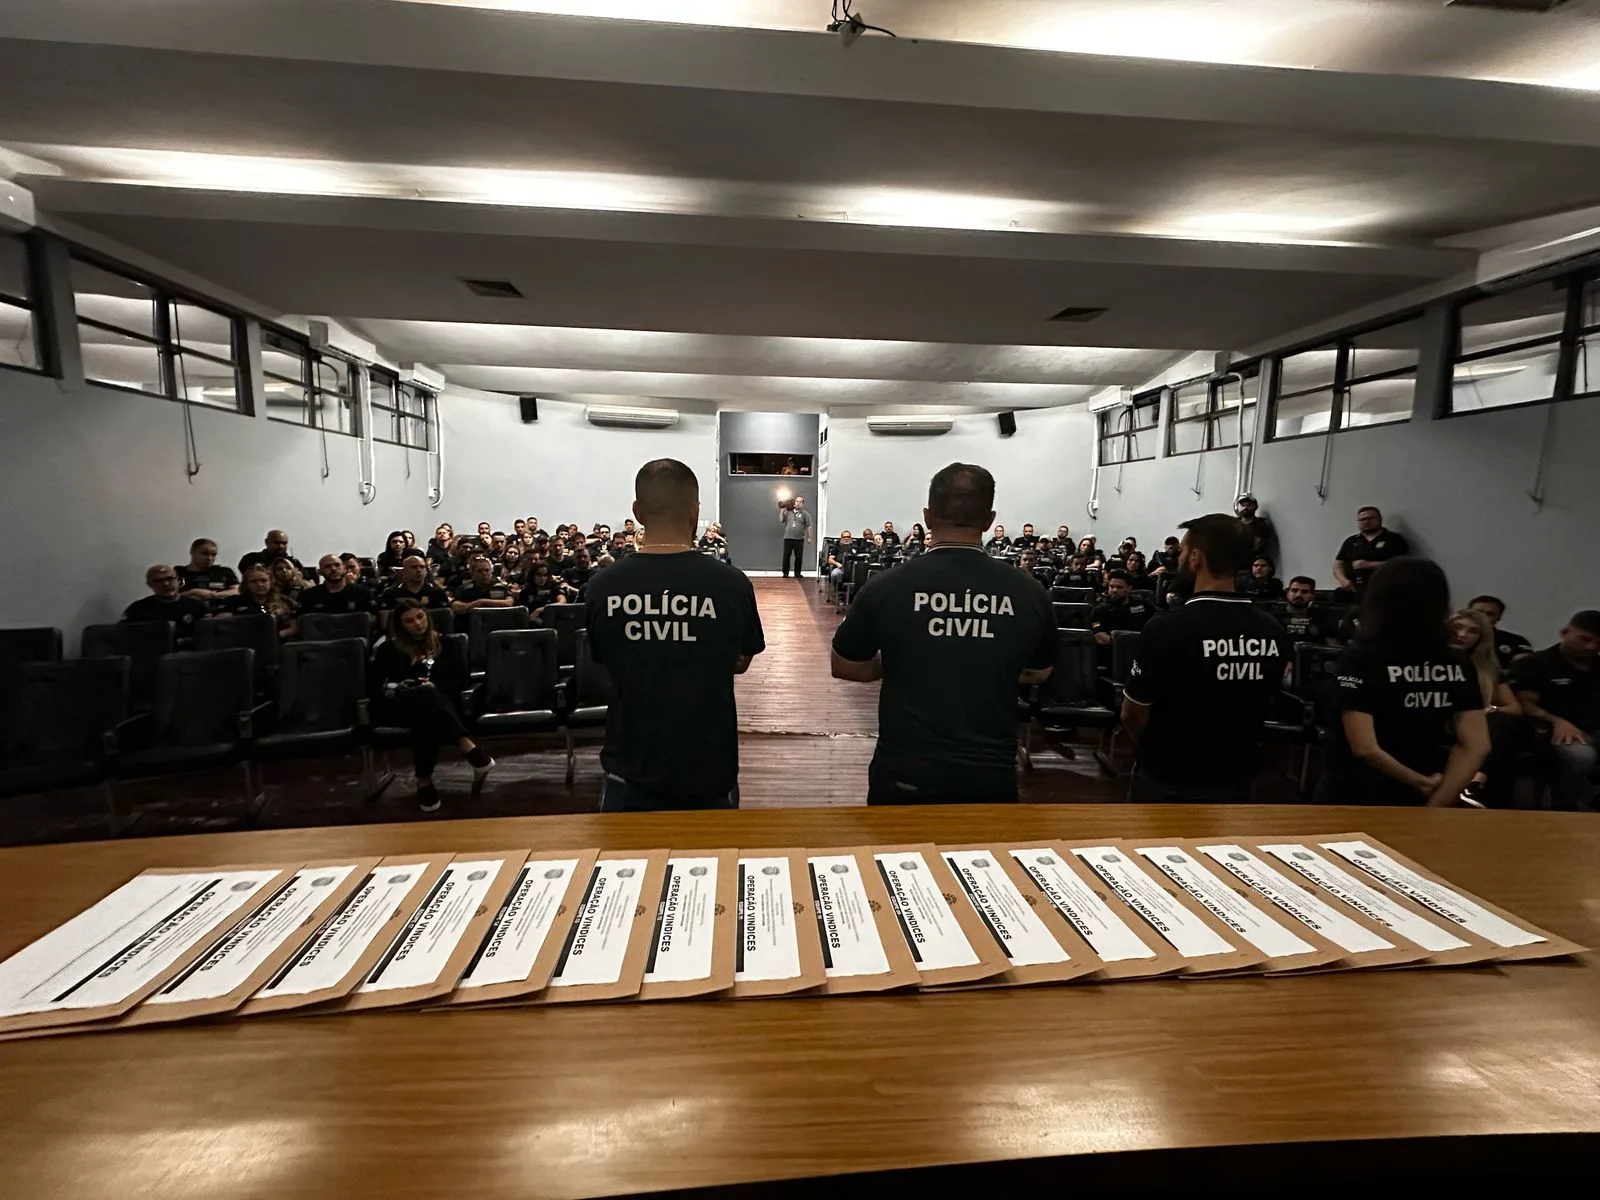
point(1041, 473)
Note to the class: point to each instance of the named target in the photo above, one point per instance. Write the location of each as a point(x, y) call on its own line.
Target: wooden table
point(589, 1100)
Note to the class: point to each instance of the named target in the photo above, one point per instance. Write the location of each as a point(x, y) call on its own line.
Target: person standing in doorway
point(673, 627)
point(951, 634)
point(796, 522)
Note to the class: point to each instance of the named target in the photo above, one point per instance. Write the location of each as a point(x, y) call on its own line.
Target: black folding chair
point(57, 721)
point(481, 622)
point(334, 627)
point(142, 643)
point(568, 621)
point(390, 737)
point(40, 643)
point(1071, 595)
point(1069, 696)
point(520, 692)
point(590, 693)
point(257, 632)
point(322, 704)
point(1072, 615)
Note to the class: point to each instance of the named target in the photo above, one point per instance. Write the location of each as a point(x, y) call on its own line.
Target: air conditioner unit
point(926, 426)
point(330, 335)
point(1107, 400)
point(427, 377)
point(631, 418)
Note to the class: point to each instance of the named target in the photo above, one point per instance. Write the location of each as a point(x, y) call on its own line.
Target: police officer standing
point(673, 627)
point(1204, 676)
point(951, 634)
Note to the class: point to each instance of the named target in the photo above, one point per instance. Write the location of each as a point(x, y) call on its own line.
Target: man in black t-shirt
point(998, 542)
point(482, 589)
point(890, 537)
point(204, 578)
point(673, 627)
point(1507, 645)
point(1025, 540)
point(1261, 583)
point(1300, 619)
point(336, 593)
point(1204, 678)
point(1121, 609)
point(165, 604)
point(1259, 529)
point(579, 571)
point(1364, 551)
point(276, 547)
point(413, 585)
point(950, 634)
point(1561, 686)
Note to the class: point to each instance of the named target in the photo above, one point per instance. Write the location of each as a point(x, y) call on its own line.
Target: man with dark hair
point(337, 593)
point(1364, 551)
point(796, 522)
point(165, 604)
point(412, 585)
point(1508, 646)
point(1204, 677)
point(1026, 539)
point(1261, 583)
point(950, 633)
point(1247, 509)
point(999, 543)
point(275, 547)
point(673, 627)
point(1121, 609)
point(482, 589)
point(1301, 620)
point(1560, 686)
point(204, 578)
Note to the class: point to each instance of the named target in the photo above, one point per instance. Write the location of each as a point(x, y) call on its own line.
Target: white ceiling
point(717, 206)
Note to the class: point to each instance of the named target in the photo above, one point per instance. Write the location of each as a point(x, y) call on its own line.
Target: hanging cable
point(436, 488)
point(366, 452)
point(847, 22)
point(191, 447)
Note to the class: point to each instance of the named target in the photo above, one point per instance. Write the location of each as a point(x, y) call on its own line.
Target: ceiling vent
point(631, 418)
point(1527, 6)
point(494, 289)
point(903, 426)
point(1079, 314)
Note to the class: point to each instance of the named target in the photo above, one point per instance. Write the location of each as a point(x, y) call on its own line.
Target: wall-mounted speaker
point(1008, 424)
point(530, 409)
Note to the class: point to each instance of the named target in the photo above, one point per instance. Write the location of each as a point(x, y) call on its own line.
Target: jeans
point(836, 578)
point(887, 785)
point(619, 795)
point(1572, 784)
point(796, 547)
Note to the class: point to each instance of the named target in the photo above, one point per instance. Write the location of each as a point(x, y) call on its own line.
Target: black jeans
point(796, 547)
point(432, 720)
point(888, 785)
point(618, 795)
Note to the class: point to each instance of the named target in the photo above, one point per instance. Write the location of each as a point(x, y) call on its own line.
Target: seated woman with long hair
point(1472, 633)
point(394, 549)
point(288, 580)
point(258, 593)
point(416, 679)
point(1411, 728)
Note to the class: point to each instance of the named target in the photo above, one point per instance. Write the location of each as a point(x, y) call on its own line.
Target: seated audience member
point(1509, 646)
point(1165, 560)
point(1026, 539)
point(1121, 609)
point(1560, 687)
point(519, 530)
point(417, 676)
point(541, 590)
point(1138, 578)
point(1064, 537)
point(998, 542)
point(868, 537)
point(511, 561)
point(353, 569)
point(1473, 635)
point(711, 539)
point(839, 558)
point(1247, 509)
point(394, 550)
point(204, 578)
point(910, 549)
point(1127, 546)
point(535, 529)
point(499, 543)
point(558, 559)
point(579, 571)
point(1262, 584)
point(338, 592)
point(1301, 618)
point(276, 547)
point(411, 539)
point(258, 593)
point(917, 534)
point(485, 534)
point(1411, 728)
point(165, 603)
point(1079, 574)
point(482, 589)
point(288, 579)
point(462, 551)
point(1089, 550)
point(1028, 562)
point(889, 535)
point(1364, 551)
point(412, 585)
point(439, 547)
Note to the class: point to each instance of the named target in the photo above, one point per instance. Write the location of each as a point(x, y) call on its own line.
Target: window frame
point(398, 414)
point(1344, 346)
point(1148, 400)
point(32, 305)
point(1566, 341)
point(1214, 416)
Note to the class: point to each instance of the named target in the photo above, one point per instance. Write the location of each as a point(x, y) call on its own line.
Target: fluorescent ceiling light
point(1468, 372)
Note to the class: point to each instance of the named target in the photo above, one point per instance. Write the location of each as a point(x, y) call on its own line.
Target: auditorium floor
point(805, 739)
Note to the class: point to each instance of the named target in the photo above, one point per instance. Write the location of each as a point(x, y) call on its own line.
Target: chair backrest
point(567, 620)
point(1316, 679)
point(41, 643)
point(249, 631)
point(856, 571)
point(1072, 615)
point(1072, 681)
point(591, 684)
point(1124, 648)
point(333, 627)
point(199, 695)
point(521, 670)
point(62, 710)
point(1071, 595)
point(142, 643)
point(444, 621)
point(481, 622)
point(321, 685)
point(1045, 575)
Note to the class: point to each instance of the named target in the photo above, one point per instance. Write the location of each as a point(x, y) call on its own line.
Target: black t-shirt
point(579, 577)
point(956, 629)
point(1413, 698)
point(181, 612)
point(997, 543)
point(469, 592)
point(1509, 645)
point(262, 558)
point(1107, 617)
point(538, 597)
point(1380, 549)
point(1209, 671)
point(1079, 579)
point(244, 606)
point(1564, 691)
point(429, 597)
point(1024, 541)
point(1307, 626)
point(1270, 588)
point(891, 537)
point(1169, 562)
point(671, 628)
point(351, 598)
point(215, 578)
point(1260, 531)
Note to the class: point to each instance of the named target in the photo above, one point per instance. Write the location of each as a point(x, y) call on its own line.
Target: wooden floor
point(805, 739)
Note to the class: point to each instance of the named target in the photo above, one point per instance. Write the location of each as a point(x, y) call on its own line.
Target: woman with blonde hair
point(258, 593)
point(1472, 633)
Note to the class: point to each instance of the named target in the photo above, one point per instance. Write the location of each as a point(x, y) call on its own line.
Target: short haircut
point(198, 542)
point(413, 553)
point(1305, 579)
point(1371, 508)
point(1494, 600)
point(1587, 620)
point(1118, 573)
point(1222, 542)
point(479, 558)
point(1171, 541)
point(665, 490)
point(1266, 558)
point(962, 496)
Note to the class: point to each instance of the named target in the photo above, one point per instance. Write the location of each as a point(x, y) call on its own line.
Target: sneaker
point(480, 773)
point(428, 798)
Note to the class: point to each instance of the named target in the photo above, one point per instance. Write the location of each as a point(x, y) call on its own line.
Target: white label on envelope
point(1365, 899)
point(597, 943)
point(348, 933)
point(523, 923)
point(1107, 934)
point(768, 941)
point(426, 942)
point(1232, 909)
point(849, 934)
point(1189, 935)
point(1348, 935)
point(1026, 940)
point(931, 929)
point(680, 951)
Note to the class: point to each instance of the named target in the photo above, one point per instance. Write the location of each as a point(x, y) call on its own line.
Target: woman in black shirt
point(417, 677)
point(540, 589)
point(1138, 579)
point(394, 549)
point(258, 593)
point(1411, 728)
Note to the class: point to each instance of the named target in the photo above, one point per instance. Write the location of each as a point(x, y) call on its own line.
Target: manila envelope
point(432, 949)
point(343, 951)
point(1346, 889)
point(1357, 941)
point(1114, 934)
point(129, 930)
point(778, 952)
point(862, 950)
point(1202, 940)
point(519, 952)
point(1517, 939)
point(606, 945)
point(1236, 910)
point(692, 941)
point(947, 938)
point(1039, 944)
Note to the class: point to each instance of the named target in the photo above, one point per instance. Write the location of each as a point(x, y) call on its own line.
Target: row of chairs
point(70, 723)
